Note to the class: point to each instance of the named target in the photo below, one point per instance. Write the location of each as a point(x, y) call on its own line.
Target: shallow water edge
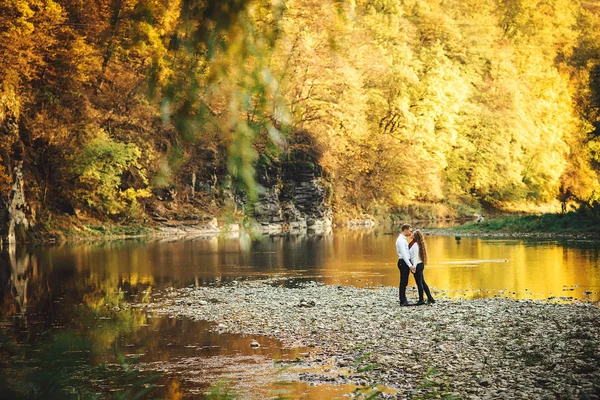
point(483, 348)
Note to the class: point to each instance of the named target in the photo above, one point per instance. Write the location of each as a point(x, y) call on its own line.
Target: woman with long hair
point(418, 257)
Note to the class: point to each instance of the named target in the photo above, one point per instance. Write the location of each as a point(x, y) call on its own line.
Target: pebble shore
point(468, 349)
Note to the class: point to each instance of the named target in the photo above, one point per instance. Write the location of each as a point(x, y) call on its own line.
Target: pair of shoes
point(405, 304)
point(420, 303)
point(431, 301)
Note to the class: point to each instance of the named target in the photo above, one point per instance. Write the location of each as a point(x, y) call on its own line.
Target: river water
point(66, 330)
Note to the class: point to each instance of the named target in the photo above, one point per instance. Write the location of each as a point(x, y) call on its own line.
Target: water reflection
point(533, 269)
point(66, 330)
point(77, 294)
point(15, 270)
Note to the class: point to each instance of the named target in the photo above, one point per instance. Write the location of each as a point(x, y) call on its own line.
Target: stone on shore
point(484, 348)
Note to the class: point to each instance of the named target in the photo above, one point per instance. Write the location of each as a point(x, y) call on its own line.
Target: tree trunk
point(14, 221)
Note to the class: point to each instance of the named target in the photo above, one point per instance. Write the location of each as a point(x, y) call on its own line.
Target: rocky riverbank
point(471, 349)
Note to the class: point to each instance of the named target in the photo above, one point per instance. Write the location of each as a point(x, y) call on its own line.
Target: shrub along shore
point(471, 349)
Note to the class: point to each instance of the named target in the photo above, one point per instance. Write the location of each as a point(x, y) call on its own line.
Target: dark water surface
point(64, 334)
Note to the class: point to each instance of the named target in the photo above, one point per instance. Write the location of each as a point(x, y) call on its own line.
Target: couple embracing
point(412, 256)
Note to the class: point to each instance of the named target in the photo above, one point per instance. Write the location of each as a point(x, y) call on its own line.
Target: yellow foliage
point(5, 179)
point(99, 167)
point(174, 390)
point(132, 194)
point(403, 102)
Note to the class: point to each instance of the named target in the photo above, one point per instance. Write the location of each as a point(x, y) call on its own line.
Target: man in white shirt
point(404, 264)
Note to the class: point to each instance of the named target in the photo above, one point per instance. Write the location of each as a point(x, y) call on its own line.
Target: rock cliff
point(292, 199)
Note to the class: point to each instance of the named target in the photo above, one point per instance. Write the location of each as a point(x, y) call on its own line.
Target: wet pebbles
point(471, 349)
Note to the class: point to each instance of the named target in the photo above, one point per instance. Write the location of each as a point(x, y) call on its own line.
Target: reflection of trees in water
point(591, 247)
point(68, 316)
point(289, 252)
point(51, 338)
point(15, 271)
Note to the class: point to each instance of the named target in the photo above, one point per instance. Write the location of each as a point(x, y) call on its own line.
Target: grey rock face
point(294, 201)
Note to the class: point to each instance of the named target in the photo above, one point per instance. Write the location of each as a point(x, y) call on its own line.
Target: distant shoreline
point(571, 225)
point(546, 226)
point(516, 235)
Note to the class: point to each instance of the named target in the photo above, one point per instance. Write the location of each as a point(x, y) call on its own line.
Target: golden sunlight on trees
point(99, 168)
point(419, 102)
point(476, 102)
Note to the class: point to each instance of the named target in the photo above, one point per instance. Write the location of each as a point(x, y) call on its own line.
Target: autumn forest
point(451, 104)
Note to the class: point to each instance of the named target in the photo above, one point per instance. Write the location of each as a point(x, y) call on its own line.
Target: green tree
point(99, 168)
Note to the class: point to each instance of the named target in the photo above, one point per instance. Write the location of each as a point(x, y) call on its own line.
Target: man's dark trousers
point(404, 272)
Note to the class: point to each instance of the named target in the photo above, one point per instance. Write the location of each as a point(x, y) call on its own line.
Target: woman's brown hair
point(418, 237)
